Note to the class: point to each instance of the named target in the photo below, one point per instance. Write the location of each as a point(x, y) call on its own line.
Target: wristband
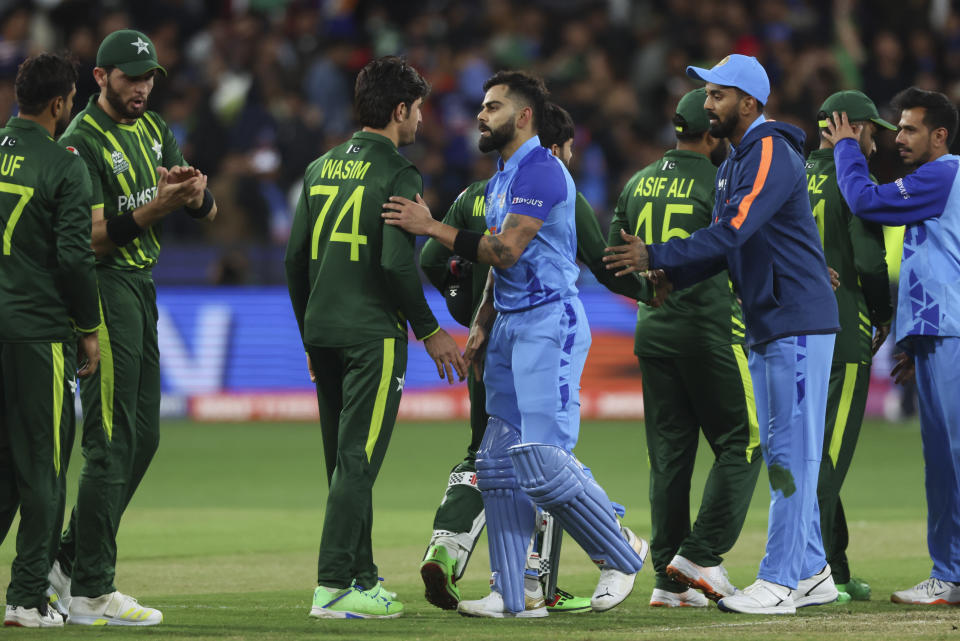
point(122, 229)
point(203, 209)
point(467, 244)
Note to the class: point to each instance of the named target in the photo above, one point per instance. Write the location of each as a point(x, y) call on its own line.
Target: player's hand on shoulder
point(446, 355)
point(412, 216)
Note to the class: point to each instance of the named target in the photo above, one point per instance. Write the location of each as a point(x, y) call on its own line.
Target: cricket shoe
point(42, 617)
point(614, 586)
point(353, 603)
point(689, 598)
point(856, 589)
point(59, 587)
point(438, 572)
point(711, 580)
point(818, 589)
point(55, 602)
point(760, 597)
point(492, 606)
point(930, 592)
point(564, 602)
point(114, 608)
point(377, 590)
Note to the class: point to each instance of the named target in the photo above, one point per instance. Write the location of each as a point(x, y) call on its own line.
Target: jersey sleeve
point(434, 256)
point(869, 259)
point(756, 196)
point(537, 188)
point(397, 262)
point(75, 259)
point(172, 156)
point(296, 260)
point(915, 197)
point(76, 144)
point(590, 250)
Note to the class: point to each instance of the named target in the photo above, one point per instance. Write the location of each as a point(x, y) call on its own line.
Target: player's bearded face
point(723, 124)
point(64, 120)
point(498, 137)
point(128, 95)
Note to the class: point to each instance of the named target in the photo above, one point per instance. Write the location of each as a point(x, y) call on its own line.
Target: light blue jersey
point(535, 183)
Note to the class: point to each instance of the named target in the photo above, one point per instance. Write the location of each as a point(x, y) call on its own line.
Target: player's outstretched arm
point(480, 329)
point(501, 250)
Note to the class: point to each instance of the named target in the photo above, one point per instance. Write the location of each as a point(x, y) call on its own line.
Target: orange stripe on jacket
point(766, 156)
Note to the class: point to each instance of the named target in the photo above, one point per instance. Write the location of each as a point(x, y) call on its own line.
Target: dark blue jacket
point(764, 233)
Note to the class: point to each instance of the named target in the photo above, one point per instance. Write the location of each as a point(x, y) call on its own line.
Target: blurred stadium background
point(258, 88)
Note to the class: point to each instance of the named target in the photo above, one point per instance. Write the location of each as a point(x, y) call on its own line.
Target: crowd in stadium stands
point(259, 88)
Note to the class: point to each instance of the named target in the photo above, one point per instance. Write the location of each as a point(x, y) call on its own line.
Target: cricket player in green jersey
point(354, 287)
point(695, 375)
point(48, 298)
point(138, 178)
point(460, 518)
point(854, 248)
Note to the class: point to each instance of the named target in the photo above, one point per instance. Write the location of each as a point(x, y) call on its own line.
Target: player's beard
point(498, 138)
point(724, 128)
point(719, 153)
point(116, 101)
point(62, 123)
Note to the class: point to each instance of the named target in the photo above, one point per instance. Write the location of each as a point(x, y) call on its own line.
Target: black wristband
point(467, 244)
point(122, 229)
point(203, 209)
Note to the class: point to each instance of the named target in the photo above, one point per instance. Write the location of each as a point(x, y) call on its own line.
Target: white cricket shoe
point(689, 598)
point(492, 607)
point(59, 588)
point(818, 589)
point(21, 617)
point(614, 586)
point(930, 592)
point(760, 597)
point(711, 580)
point(114, 608)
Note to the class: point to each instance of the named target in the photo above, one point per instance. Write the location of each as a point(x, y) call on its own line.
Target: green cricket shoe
point(564, 602)
point(438, 572)
point(842, 597)
point(858, 589)
point(353, 603)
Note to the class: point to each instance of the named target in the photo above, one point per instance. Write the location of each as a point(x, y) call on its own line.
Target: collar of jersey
point(369, 135)
point(821, 153)
point(685, 153)
point(519, 154)
point(23, 123)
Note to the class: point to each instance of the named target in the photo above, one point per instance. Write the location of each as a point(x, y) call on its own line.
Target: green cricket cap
point(857, 106)
point(693, 117)
point(130, 51)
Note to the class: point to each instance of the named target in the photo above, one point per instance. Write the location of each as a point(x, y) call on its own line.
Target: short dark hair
point(939, 111)
point(557, 126)
point(383, 84)
point(528, 88)
point(42, 78)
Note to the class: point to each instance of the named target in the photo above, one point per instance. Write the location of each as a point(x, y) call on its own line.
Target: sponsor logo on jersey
point(903, 190)
point(722, 184)
point(533, 202)
point(120, 163)
point(131, 202)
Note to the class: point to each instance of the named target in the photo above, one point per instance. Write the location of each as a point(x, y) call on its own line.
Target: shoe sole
point(804, 604)
point(98, 621)
point(696, 583)
point(321, 613)
point(895, 599)
point(577, 610)
point(436, 588)
point(526, 614)
point(664, 604)
point(773, 610)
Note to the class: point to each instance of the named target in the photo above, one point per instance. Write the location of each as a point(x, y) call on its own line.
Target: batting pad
point(556, 482)
point(511, 515)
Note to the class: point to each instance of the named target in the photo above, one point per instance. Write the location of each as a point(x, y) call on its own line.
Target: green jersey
point(672, 198)
point(351, 277)
point(122, 161)
point(47, 277)
point(854, 248)
point(468, 211)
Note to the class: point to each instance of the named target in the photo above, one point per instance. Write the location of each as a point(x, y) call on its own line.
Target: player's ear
point(400, 112)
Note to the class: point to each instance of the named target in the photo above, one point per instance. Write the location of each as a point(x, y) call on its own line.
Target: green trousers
point(358, 392)
point(712, 392)
point(462, 503)
point(37, 424)
point(846, 403)
point(121, 429)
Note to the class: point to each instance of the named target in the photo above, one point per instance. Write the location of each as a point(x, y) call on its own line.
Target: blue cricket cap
point(743, 72)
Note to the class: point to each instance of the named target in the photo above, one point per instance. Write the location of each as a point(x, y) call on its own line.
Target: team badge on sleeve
point(72, 150)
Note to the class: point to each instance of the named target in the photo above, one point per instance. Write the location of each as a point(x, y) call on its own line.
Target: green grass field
point(222, 537)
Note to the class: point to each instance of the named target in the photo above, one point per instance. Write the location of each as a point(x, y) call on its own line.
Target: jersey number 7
point(25, 193)
point(354, 238)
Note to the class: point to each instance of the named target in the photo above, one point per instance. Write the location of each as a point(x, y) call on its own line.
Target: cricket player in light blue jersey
point(538, 343)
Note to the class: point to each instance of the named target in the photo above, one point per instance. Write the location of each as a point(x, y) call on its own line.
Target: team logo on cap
point(723, 62)
point(141, 45)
